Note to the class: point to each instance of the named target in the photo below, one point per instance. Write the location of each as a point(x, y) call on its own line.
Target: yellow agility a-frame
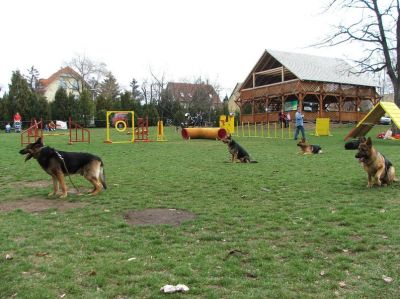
point(121, 125)
point(372, 118)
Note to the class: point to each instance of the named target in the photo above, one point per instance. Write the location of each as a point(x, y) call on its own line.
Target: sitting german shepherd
point(59, 163)
point(307, 149)
point(379, 169)
point(238, 153)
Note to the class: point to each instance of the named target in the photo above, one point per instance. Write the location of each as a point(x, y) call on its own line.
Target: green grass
point(264, 230)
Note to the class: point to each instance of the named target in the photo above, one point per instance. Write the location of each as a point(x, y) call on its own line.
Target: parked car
point(385, 120)
point(119, 117)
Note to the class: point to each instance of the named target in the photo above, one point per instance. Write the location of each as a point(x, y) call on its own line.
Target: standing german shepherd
point(306, 148)
point(379, 169)
point(237, 152)
point(59, 163)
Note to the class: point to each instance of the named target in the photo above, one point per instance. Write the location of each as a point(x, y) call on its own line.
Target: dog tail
point(102, 175)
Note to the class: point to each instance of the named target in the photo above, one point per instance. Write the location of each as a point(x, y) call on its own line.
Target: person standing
point(299, 123)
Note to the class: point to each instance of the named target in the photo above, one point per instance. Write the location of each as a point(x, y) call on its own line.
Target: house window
point(63, 84)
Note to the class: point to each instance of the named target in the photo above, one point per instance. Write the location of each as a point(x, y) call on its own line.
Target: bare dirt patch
point(36, 205)
point(33, 184)
point(158, 216)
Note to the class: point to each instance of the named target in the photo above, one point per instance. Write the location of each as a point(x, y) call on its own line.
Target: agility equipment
point(35, 131)
point(74, 129)
point(322, 127)
point(228, 123)
point(204, 133)
point(160, 131)
point(372, 118)
point(120, 122)
point(264, 130)
point(142, 129)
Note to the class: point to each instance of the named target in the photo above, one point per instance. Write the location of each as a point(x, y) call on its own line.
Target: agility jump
point(76, 132)
point(120, 122)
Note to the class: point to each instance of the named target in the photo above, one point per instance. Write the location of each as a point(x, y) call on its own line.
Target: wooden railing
point(308, 116)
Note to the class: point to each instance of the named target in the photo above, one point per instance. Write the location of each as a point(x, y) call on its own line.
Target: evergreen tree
point(18, 99)
point(64, 105)
point(86, 107)
point(110, 90)
point(127, 102)
point(225, 105)
point(135, 90)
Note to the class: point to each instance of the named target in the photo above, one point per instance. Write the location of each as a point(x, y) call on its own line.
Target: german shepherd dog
point(58, 164)
point(306, 148)
point(238, 153)
point(353, 144)
point(379, 169)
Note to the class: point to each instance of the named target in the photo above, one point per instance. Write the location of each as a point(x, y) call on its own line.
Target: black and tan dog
point(59, 163)
point(306, 148)
point(379, 169)
point(354, 144)
point(238, 153)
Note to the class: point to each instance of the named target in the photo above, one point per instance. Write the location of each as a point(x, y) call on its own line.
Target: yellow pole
point(133, 127)
point(255, 130)
point(248, 128)
point(275, 130)
point(242, 130)
point(268, 134)
point(262, 129)
point(108, 127)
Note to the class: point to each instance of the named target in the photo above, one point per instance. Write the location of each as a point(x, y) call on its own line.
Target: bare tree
point(89, 72)
point(377, 29)
point(158, 86)
point(152, 89)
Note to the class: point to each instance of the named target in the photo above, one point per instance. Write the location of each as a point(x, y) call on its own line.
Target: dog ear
point(369, 142)
point(39, 141)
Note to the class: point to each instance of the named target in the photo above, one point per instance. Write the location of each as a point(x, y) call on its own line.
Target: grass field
point(290, 226)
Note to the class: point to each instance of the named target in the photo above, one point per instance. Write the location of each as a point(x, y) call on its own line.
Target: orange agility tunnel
point(203, 133)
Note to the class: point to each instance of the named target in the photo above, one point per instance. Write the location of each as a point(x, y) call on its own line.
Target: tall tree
point(32, 78)
point(109, 89)
point(377, 28)
point(86, 107)
point(64, 105)
point(18, 99)
point(136, 94)
point(89, 72)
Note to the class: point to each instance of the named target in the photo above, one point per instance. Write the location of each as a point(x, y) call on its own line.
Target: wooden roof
point(278, 66)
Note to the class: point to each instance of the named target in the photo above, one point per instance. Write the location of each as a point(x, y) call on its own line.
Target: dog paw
point(64, 195)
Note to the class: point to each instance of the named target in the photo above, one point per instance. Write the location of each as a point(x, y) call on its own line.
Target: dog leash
point(66, 169)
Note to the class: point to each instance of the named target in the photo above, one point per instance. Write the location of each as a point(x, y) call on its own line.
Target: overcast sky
point(219, 40)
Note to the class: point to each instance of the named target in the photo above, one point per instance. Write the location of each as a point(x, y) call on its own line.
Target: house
point(65, 78)
point(187, 93)
point(322, 86)
point(232, 105)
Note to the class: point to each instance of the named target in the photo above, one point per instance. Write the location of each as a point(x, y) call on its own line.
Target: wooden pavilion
point(323, 87)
